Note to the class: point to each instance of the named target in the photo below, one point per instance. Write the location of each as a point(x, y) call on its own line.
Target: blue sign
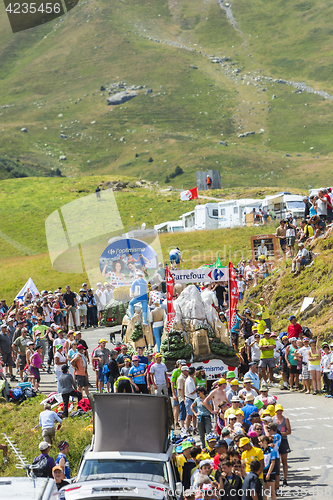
point(123, 258)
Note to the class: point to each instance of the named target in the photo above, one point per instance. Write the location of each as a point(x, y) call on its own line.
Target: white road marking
point(309, 419)
point(315, 467)
point(312, 449)
point(300, 408)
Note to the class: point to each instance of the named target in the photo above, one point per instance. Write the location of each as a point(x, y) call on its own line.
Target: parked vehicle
point(283, 203)
point(171, 226)
point(188, 220)
point(206, 216)
point(232, 213)
point(130, 453)
point(28, 488)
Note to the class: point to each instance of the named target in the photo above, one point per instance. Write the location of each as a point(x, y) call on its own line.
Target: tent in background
point(29, 285)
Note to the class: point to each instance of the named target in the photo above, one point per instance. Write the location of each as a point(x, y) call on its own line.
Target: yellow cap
point(234, 382)
point(221, 381)
point(254, 327)
point(239, 412)
point(278, 407)
point(243, 442)
point(102, 340)
point(271, 409)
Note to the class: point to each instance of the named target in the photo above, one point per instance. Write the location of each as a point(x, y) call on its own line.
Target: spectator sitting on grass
point(305, 232)
point(302, 258)
point(318, 225)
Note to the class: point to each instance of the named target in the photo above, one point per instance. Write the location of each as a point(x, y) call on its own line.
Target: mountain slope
point(60, 68)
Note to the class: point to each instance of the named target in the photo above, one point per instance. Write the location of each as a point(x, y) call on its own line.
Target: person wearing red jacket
point(294, 329)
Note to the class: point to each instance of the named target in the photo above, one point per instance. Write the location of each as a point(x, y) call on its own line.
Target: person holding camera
point(291, 225)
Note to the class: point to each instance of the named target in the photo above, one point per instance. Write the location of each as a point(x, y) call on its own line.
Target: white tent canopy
point(29, 285)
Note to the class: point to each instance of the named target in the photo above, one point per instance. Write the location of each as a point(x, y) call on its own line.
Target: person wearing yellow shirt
point(264, 311)
point(260, 323)
point(250, 453)
point(182, 458)
point(235, 403)
point(267, 346)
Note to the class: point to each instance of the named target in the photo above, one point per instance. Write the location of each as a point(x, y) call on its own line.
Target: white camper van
point(206, 216)
point(171, 226)
point(188, 220)
point(281, 203)
point(232, 213)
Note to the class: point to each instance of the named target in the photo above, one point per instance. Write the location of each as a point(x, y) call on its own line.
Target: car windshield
point(295, 205)
point(129, 469)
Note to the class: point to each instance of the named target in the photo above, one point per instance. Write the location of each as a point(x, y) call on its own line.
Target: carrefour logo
point(216, 274)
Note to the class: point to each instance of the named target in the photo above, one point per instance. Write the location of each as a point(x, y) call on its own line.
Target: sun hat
point(186, 444)
point(158, 355)
point(239, 412)
point(234, 382)
point(267, 330)
point(207, 461)
point(249, 397)
point(271, 409)
point(102, 340)
point(231, 374)
point(184, 368)
point(278, 407)
point(211, 437)
point(235, 399)
point(221, 381)
point(43, 445)
point(247, 379)
point(258, 403)
point(243, 441)
point(254, 327)
point(267, 418)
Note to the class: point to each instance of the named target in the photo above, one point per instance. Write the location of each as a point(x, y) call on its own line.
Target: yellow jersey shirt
point(250, 455)
point(264, 312)
point(261, 326)
point(270, 352)
point(181, 460)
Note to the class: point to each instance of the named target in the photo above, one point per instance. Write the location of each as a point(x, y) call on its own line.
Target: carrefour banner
point(197, 275)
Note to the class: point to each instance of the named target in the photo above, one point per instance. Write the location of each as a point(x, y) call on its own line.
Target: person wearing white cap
point(205, 467)
point(302, 258)
point(42, 467)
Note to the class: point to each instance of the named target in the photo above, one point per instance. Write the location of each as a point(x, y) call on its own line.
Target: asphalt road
point(91, 336)
point(310, 474)
point(311, 442)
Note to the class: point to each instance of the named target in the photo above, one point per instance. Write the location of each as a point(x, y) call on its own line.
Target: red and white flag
point(190, 194)
point(233, 296)
point(171, 313)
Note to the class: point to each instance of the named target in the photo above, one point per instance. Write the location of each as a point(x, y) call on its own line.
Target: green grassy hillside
point(60, 68)
point(26, 204)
